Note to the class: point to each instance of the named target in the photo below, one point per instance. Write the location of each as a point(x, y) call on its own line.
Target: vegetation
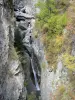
point(8, 4)
point(35, 34)
point(32, 96)
point(13, 54)
point(51, 23)
point(56, 24)
point(43, 65)
point(64, 93)
point(69, 61)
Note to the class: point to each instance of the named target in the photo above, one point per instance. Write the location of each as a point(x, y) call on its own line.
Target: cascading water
point(35, 77)
point(27, 42)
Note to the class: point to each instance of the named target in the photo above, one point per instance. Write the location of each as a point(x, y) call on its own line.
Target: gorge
point(28, 51)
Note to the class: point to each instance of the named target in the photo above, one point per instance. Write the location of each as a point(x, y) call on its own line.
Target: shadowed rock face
point(4, 40)
point(14, 73)
point(28, 4)
point(24, 42)
point(11, 76)
point(23, 34)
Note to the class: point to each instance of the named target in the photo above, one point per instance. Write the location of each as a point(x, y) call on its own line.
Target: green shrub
point(35, 34)
point(69, 61)
point(56, 24)
point(32, 96)
point(51, 23)
point(43, 65)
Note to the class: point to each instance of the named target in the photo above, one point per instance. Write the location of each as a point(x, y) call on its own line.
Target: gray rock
point(23, 25)
point(10, 84)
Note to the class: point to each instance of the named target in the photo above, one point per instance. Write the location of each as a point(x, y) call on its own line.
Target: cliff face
point(28, 48)
point(19, 68)
point(24, 71)
point(55, 85)
point(10, 86)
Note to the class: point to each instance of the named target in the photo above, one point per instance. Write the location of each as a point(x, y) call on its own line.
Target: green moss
point(69, 61)
point(43, 65)
point(10, 73)
point(53, 47)
point(32, 96)
point(51, 23)
point(65, 92)
point(35, 34)
point(9, 4)
point(12, 53)
point(63, 3)
point(25, 84)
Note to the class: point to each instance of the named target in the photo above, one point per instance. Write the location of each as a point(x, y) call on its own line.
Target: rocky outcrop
point(20, 72)
point(30, 62)
point(24, 42)
point(11, 73)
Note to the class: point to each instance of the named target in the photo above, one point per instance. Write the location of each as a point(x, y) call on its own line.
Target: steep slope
point(10, 86)
point(57, 79)
point(19, 73)
point(27, 52)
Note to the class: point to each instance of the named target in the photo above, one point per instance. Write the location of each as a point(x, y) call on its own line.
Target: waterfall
point(25, 25)
point(35, 77)
point(28, 40)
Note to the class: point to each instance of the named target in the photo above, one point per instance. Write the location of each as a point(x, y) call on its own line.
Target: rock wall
point(25, 42)
point(11, 75)
point(19, 60)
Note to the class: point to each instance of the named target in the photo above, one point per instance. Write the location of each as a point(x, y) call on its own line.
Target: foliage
point(64, 93)
point(69, 61)
point(32, 96)
point(43, 65)
point(56, 24)
point(51, 23)
point(12, 53)
point(35, 33)
point(25, 84)
point(60, 91)
point(8, 4)
point(63, 3)
point(46, 10)
point(53, 47)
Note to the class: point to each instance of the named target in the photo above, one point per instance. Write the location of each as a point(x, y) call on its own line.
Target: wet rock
point(20, 18)
point(23, 15)
point(23, 10)
point(14, 84)
point(23, 25)
point(13, 74)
